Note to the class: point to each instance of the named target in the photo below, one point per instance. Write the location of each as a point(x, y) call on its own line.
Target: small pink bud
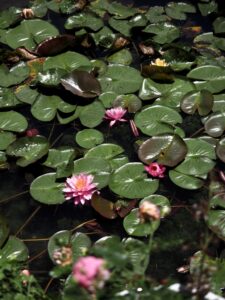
point(31, 132)
point(155, 170)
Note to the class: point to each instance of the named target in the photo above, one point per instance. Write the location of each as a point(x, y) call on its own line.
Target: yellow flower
point(159, 62)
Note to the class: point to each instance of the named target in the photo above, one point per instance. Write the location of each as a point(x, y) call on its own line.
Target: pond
point(112, 149)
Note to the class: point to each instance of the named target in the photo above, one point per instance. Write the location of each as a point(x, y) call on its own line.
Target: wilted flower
point(155, 170)
point(63, 256)
point(27, 13)
point(115, 114)
point(80, 187)
point(148, 210)
point(90, 273)
point(160, 63)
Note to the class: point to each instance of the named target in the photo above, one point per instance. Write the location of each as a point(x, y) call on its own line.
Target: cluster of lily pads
point(132, 89)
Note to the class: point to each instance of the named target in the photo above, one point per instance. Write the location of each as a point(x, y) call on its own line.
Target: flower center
point(80, 184)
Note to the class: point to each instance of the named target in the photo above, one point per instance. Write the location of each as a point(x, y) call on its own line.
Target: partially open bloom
point(90, 273)
point(155, 170)
point(32, 132)
point(148, 210)
point(80, 188)
point(27, 13)
point(25, 273)
point(115, 114)
point(63, 256)
point(160, 63)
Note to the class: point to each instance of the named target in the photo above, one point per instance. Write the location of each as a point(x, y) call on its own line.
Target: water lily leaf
point(55, 45)
point(200, 148)
point(121, 80)
point(89, 138)
point(28, 149)
point(104, 207)
point(178, 11)
point(156, 14)
point(14, 250)
point(26, 94)
point(45, 107)
point(80, 244)
point(218, 25)
point(57, 241)
point(92, 115)
point(9, 16)
point(220, 149)
point(167, 149)
point(51, 77)
point(133, 224)
point(3, 161)
point(208, 8)
point(12, 121)
point(96, 166)
point(197, 100)
point(121, 11)
point(185, 181)
point(68, 61)
point(6, 138)
point(162, 202)
point(131, 102)
point(107, 99)
point(122, 57)
point(157, 119)
point(164, 32)
point(15, 75)
point(81, 83)
point(215, 124)
point(81, 20)
point(167, 94)
point(30, 33)
point(4, 230)
point(7, 98)
point(219, 103)
point(104, 37)
point(131, 182)
point(59, 158)
point(39, 8)
point(106, 151)
point(46, 190)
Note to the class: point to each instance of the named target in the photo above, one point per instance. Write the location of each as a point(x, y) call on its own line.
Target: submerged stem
point(28, 220)
point(14, 196)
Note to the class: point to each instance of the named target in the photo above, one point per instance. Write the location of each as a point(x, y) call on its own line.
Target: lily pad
point(167, 149)
point(131, 102)
point(46, 190)
point(57, 241)
point(220, 149)
point(179, 10)
point(215, 124)
point(185, 181)
point(89, 138)
point(59, 158)
point(6, 138)
point(12, 121)
point(28, 149)
point(131, 181)
point(92, 114)
point(156, 14)
point(25, 94)
point(15, 75)
point(163, 32)
point(45, 107)
point(14, 250)
point(162, 202)
point(82, 20)
point(80, 243)
point(9, 16)
point(121, 11)
point(8, 99)
point(208, 8)
point(122, 57)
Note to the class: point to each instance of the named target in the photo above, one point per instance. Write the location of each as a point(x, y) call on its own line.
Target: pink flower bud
point(155, 170)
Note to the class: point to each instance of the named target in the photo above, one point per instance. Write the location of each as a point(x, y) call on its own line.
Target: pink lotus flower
point(80, 187)
point(90, 273)
point(155, 170)
point(115, 114)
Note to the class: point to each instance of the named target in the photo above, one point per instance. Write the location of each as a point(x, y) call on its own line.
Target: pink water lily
point(115, 115)
point(155, 170)
point(80, 188)
point(90, 273)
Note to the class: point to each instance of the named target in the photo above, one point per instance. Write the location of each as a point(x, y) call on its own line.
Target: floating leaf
point(15, 75)
point(164, 32)
point(9, 17)
point(220, 149)
point(161, 201)
point(107, 99)
point(12, 121)
point(215, 124)
point(185, 181)
point(167, 149)
point(96, 166)
point(57, 241)
point(30, 33)
point(121, 11)
point(104, 207)
point(51, 77)
point(45, 107)
point(80, 244)
point(82, 20)
point(7, 98)
point(179, 10)
point(89, 138)
point(208, 8)
point(120, 79)
point(131, 102)
point(25, 94)
point(6, 138)
point(28, 149)
point(122, 57)
point(92, 114)
point(197, 100)
point(104, 37)
point(14, 250)
point(59, 158)
point(219, 103)
point(157, 119)
point(156, 14)
point(46, 190)
point(218, 25)
point(81, 83)
point(107, 151)
point(131, 182)
point(134, 226)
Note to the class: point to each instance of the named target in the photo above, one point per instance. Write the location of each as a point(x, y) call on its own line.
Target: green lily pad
point(163, 32)
point(208, 8)
point(131, 102)
point(80, 244)
point(92, 114)
point(30, 33)
point(162, 202)
point(12, 121)
point(122, 57)
point(107, 151)
point(28, 149)
point(219, 103)
point(6, 138)
point(57, 241)
point(51, 77)
point(157, 119)
point(215, 124)
point(59, 158)
point(14, 250)
point(120, 79)
point(9, 16)
point(133, 224)
point(156, 14)
point(96, 166)
point(107, 99)
point(218, 25)
point(220, 149)
point(121, 11)
point(197, 100)
point(82, 20)
point(104, 37)
point(25, 94)
point(178, 11)
point(45, 107)
point(15, 75)
point(167, 149)
point(46, 190)
point(185, 181)
point(3, 161)
point(7, 98)
point(89, 138)
point(131, 182)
